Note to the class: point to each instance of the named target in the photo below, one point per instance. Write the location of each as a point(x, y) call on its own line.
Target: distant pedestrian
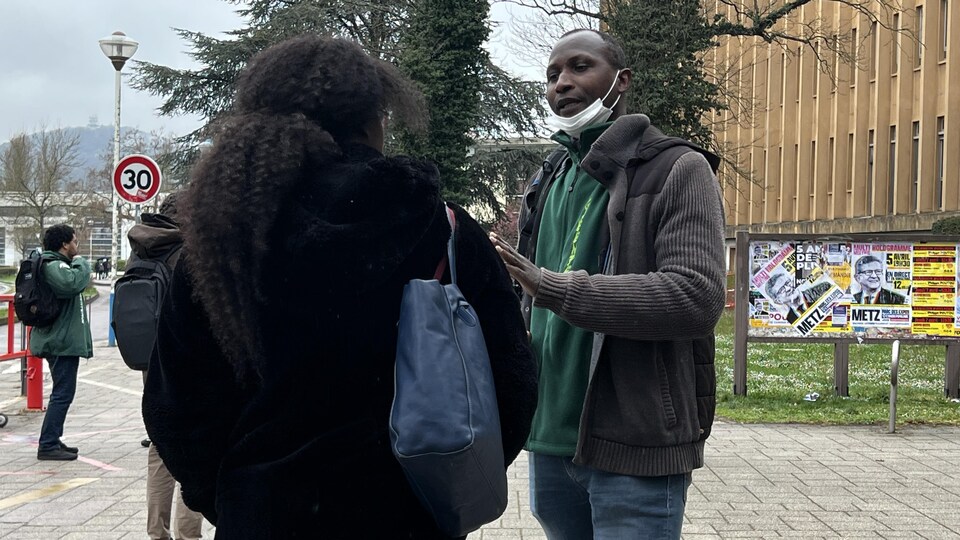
point(269, 397)
point(66, 340)
point(157, 237)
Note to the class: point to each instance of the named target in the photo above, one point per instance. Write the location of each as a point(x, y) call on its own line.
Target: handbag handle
point(451, 250)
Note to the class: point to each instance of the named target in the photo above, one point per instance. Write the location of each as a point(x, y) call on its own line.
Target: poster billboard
point(843, 288)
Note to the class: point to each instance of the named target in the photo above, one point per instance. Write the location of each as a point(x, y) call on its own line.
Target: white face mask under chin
point(594, 114)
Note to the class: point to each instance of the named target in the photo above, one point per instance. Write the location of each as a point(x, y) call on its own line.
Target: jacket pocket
point(666, 399)
point(637, 396)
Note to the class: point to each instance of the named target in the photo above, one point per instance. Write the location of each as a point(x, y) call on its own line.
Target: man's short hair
point(612, 49)
point(55, 237)
point(866, 259)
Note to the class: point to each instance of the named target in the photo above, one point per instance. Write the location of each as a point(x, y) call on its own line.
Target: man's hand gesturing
point(521, 269)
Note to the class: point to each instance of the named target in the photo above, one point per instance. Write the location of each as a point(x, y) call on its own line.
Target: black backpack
point(34, 302)
point(137, 299)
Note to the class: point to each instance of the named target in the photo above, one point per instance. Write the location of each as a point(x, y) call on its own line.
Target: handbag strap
point(451, 250)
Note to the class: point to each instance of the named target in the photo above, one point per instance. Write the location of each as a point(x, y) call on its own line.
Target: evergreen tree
point(443, 52)
point(510, 107)
point(662, 42)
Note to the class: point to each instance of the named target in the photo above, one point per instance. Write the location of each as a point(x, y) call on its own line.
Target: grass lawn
point(88, 293)
point(779, 375)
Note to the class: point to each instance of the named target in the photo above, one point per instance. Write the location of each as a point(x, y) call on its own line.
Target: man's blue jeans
point(63, 370)
point(572, 502)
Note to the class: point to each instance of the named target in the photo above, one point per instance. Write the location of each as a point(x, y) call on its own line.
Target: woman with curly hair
point(269, 394)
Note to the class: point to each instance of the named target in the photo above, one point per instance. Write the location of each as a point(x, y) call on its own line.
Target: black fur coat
point(301, 449)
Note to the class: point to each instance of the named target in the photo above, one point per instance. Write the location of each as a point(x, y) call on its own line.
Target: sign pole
point(114, 217)
point(136, 179)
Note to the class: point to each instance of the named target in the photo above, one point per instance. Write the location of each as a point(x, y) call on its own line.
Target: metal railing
point(31, 372)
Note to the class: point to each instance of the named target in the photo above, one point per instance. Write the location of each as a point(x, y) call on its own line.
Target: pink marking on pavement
point(88, 433)
point(98, 464)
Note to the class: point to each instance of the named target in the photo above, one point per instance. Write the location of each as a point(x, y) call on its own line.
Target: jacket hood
point(357, 221)
point(619, 141)
point(154, 236)
point(53, 256)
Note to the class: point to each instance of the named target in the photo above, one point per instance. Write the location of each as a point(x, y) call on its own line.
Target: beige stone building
point(866, 147)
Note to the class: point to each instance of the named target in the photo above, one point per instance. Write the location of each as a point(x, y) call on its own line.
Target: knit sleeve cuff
point(552, 291)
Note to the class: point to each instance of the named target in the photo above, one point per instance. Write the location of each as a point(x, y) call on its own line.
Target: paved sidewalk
point(761, 481)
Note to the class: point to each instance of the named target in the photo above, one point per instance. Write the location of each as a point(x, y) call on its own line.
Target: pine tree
point(443, 52)
point(382, 27)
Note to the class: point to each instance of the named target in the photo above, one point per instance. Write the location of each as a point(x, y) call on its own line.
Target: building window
point(799, 74)
point(919, 27)
point(895, 47)
point(796, 176)
point(783, 76)
point(780, 173)
point(854, 48)
point(874, 44)
point(816, 70)
point(870, 152)
point(763, 187)
point(830, 164)
point(940, 157)
point(813, 169)
point(835, 68)
point(915, 174)
point(944, 26)
point(892, 176)
point(850, 163)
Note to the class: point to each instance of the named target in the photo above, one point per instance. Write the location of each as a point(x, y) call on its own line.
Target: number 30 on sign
point(136, 178)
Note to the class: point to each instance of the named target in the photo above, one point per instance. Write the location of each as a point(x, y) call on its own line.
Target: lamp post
point(90, 223)
point(118, 48)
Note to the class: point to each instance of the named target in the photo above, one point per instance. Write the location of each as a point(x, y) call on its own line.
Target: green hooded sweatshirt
point(69, 335)
point(573, 218)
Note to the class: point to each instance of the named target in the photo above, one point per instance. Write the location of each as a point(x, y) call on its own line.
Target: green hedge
point(950, 225)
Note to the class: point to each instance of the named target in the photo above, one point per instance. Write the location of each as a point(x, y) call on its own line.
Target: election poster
point(796, 292)
point(868, 289)
point(880, 288)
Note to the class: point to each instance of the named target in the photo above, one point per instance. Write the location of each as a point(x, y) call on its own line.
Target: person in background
point(65, 341)
point(158, 237)
point(269, 394)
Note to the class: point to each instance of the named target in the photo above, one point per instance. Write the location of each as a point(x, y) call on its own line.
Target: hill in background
point(94, 140)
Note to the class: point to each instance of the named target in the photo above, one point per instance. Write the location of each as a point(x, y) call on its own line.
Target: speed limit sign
point(136, 178)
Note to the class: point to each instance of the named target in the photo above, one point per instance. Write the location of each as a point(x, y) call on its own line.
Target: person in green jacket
point(67, 339)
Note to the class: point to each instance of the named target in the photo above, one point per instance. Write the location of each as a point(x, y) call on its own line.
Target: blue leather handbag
point(444, 423)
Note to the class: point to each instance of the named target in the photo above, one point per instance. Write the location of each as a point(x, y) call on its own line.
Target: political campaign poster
point(796, 291)
point(880, 288)
point(869, 289)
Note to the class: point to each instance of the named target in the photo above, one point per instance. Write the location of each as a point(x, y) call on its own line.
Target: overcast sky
point(52, 71)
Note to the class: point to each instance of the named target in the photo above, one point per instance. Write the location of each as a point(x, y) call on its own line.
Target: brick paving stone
point(760, 481)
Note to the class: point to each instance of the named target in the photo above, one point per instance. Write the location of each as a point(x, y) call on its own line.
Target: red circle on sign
point(136, 178)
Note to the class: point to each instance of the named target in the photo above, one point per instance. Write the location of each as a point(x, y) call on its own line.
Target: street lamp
point(118, 48)
point(90, 223)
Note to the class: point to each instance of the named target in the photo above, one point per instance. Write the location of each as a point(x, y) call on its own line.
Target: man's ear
point(624, 79)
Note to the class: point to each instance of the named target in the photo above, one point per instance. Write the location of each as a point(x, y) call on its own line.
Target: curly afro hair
point(296, 103)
